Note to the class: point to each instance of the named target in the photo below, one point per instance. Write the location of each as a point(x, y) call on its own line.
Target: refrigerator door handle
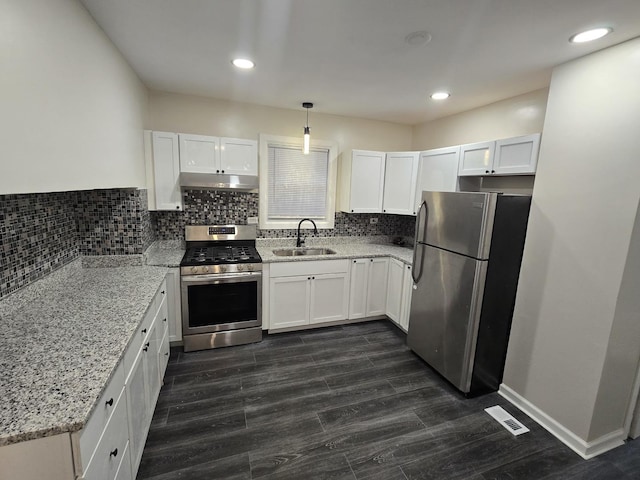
point(417, 270)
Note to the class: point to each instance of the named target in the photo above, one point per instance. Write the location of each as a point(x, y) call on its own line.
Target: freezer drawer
point(445, 312)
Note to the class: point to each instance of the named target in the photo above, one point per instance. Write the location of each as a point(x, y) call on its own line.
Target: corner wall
point(72, 108)
point(571, 361)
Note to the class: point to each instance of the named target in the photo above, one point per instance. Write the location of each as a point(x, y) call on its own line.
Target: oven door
point(220, 302)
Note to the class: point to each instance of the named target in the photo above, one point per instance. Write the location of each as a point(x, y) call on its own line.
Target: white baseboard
point(583, 448)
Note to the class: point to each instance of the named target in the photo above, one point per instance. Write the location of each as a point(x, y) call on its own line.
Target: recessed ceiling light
point(440, 95)
point(589, 35)
point(416, 39)
point(243, 63)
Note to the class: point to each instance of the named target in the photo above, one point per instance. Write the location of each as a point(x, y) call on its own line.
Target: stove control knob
point(223, 268)
point(194, 269)
point(250, 267)
point(205, 269)
point(240, 268)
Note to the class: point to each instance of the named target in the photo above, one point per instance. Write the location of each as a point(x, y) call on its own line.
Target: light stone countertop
point(169, 253)
point(62, 338)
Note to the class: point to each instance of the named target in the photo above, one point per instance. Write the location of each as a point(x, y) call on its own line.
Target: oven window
point(222, 303)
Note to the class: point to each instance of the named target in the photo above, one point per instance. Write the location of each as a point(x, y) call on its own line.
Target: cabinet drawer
point(106, 405)
point(314, 267)
point(112, 449)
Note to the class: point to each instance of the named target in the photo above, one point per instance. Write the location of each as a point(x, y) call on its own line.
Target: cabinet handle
point(146, 347)
point(109, 402)
point(114, 453)
point(144, 330)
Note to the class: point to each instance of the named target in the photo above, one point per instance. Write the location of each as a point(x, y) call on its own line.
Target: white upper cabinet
point(437, 172)
point(238, 156)
point(164, 161)
point(476, 158)
point(517, 156)
point(362, 181)
point(400, 176)
point(510, 156)
point(199, 154)
point(205, 154)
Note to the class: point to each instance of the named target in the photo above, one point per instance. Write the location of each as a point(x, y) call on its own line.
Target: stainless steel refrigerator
point(466, 264)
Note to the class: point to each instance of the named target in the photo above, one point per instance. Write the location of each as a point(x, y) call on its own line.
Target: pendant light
point(307, 134)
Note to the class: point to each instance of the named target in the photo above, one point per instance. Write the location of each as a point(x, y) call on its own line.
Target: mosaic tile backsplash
point(41, 232)
point(37, 235)
point(220, 207)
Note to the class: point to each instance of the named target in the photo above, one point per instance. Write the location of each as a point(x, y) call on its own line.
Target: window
point(294, 186)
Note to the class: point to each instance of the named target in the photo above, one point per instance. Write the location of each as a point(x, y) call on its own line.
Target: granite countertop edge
point(142, 282)
point(169, 253)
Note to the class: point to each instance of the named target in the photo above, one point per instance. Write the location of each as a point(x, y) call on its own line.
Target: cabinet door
point(166, 170)
point(174, 305)
point(517, 156)
point(400, 177)
point(358, 288)
point(150, 351)
point(289, 299)
point(163, 354)
point(437, 172)
point(407, 290)
point(367, 181)
point(136, 390)
point(476, 159)
point(329, 297)
point(238, 156)
point(394, 289)
point(377, 286)
point(199, 154)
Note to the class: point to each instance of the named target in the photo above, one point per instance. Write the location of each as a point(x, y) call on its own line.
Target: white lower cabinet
point(407, 290)
point(307, 293)
point(394, 289)
point(368, 288)
point(399, 293)
point(174, 305)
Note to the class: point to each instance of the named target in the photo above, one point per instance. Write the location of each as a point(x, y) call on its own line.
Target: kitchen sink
point(294, 252)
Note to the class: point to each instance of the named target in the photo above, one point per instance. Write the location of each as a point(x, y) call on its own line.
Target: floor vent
point(506, 420)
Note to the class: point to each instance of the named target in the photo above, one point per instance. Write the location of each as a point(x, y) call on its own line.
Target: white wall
point(571, 355)
point(206, 116)
point(511, 117)
point(72, 109)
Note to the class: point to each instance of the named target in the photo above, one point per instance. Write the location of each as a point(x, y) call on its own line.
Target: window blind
point(297, 183)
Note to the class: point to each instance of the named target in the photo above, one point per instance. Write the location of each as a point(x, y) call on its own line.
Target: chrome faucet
point(300, 241)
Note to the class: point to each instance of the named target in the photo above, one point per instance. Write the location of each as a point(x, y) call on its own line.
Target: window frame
point(265, 141)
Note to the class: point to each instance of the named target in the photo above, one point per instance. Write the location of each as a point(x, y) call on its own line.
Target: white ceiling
point(349, 57)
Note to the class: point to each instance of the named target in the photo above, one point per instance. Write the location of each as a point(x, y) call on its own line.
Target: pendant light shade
point(307, 134)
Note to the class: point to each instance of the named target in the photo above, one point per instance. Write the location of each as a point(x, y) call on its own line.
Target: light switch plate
point(373, 220)
point(252, 220)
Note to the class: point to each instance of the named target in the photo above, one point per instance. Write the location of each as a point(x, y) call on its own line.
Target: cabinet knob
point(486, 171)
point(162, 292)
point(493, 171)
point(178, 207)
point(384, 210)
point(144, 330)
point(313, 278)
point(166, 354)
point(164, 320)
point(217, 171)
point(351, 211)
point(109, 402)
point(308, 278)
point(354, 261)
point(114, 453)
point(222, 171)
point(371, 259)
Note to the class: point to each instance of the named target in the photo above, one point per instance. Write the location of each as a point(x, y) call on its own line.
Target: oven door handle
point(222, 278)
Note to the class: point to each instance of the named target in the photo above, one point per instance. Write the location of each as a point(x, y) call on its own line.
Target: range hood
point(219, 181)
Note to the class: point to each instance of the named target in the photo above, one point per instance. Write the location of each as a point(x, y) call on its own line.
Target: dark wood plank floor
point(348, 402)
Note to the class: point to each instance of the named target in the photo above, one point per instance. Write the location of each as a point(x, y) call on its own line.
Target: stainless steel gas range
point(221, 285)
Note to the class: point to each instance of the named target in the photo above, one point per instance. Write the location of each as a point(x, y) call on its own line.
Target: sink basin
point(294, 252)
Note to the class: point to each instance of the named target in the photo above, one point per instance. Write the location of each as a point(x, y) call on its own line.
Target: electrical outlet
point(373, 220)
point(252, 220)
